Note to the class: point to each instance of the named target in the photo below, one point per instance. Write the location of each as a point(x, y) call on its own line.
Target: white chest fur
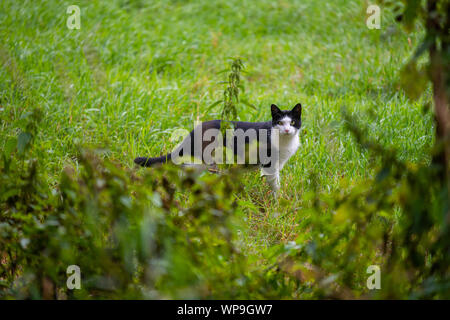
point(288, 145)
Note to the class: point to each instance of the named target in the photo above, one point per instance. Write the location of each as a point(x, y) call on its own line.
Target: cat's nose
point(286, 130)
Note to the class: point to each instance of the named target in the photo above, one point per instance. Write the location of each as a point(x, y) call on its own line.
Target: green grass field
point(137, 70)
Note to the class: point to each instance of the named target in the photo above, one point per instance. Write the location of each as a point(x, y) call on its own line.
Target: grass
point(137, 70)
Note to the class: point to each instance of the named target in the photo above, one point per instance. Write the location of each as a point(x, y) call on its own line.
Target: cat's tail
point(148, 162)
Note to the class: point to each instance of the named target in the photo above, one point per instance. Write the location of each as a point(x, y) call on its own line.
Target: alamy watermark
point(74, 277)
point(74, 19)
point(374, 280)
point(374, 19)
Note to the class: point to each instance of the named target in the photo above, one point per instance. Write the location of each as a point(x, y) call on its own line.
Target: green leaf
point(244, 101)
point(413, 80)
point(222, 71)
point(209, 108)
point(411, 13)
point(424, 46)
point(23, 141)
point(10, 146)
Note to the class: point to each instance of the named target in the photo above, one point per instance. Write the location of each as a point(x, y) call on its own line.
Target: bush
point(168, 233)
point(174, 233)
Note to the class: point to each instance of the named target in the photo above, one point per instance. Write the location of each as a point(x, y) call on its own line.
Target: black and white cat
point(277, 141)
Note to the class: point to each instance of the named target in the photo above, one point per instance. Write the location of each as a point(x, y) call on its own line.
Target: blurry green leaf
point(383, 174)
point(422, 48)
point(244, 101)
point(412, 11)
point(211, 106)
point(412, 80)
point(23, 141)
point(10, 146)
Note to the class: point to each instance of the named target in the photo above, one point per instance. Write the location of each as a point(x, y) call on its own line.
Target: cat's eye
point(292, 122)
point(280, 123)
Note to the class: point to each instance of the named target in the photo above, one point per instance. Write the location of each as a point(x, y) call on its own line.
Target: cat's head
point(288, 122)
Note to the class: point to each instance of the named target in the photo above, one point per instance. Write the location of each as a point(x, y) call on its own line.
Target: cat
point(277, 141)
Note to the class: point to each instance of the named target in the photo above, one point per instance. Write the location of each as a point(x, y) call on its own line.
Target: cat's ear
point(297, 110)
point(275, 110)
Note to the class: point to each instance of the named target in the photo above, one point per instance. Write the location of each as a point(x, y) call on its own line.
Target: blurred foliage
point(174, 233)
point(132, 236)
point(398, 220)
point(434, 15)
